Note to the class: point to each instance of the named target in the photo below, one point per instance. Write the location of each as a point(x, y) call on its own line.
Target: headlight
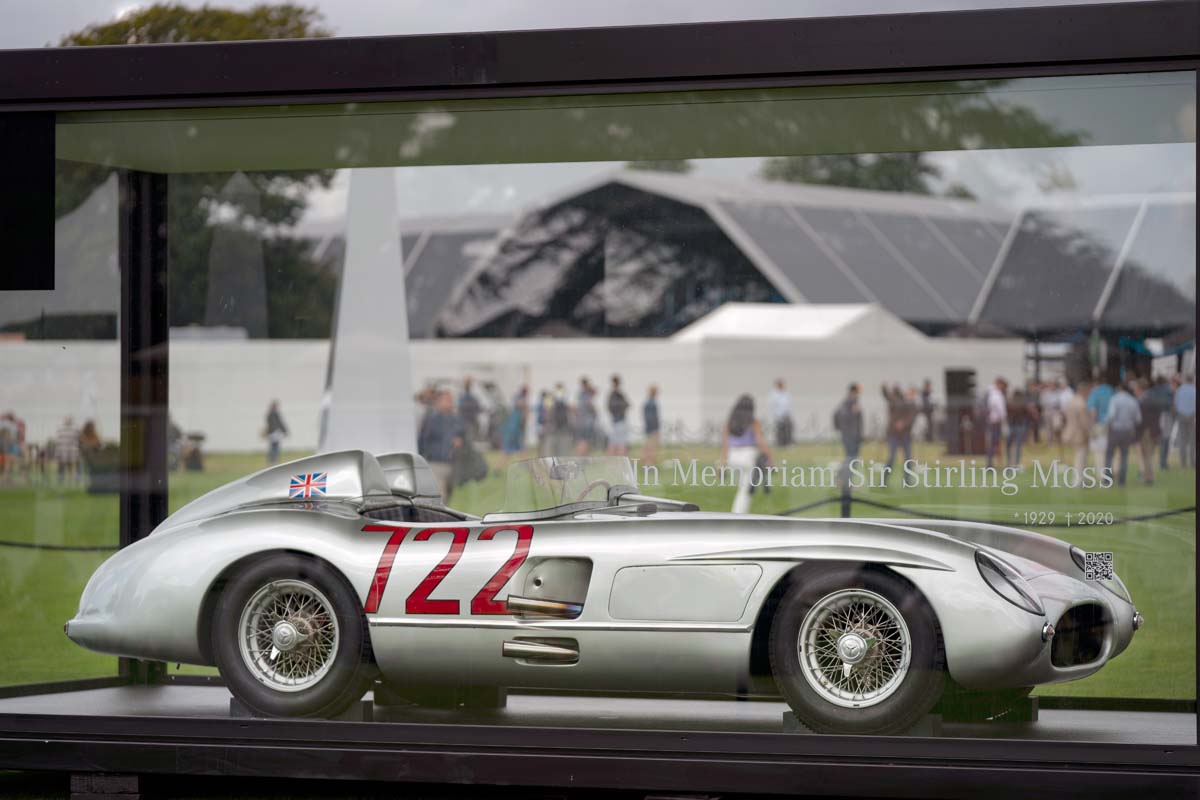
point(1116, 585)
point(1007, 583)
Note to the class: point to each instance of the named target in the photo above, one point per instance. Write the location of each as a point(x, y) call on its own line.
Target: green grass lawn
point(39, 589)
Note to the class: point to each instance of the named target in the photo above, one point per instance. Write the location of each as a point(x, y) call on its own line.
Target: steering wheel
point(588, 489)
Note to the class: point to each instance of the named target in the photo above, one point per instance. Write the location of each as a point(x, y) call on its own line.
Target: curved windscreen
point(541, 483)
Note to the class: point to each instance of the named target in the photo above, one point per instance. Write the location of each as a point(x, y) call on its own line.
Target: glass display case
point(859, 409)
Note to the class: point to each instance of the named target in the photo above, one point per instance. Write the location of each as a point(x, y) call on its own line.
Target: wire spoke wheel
point(288, 635)
point(854, 648)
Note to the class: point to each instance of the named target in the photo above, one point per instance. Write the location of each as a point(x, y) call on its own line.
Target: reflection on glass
point(954, 279)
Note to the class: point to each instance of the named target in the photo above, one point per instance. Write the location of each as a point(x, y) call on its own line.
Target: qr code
point(1098, 566)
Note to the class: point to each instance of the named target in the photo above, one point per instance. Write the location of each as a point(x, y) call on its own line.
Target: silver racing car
point(306, 582)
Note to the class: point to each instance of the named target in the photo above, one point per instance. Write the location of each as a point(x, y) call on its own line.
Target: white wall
point(222, 388)
point(44, 382)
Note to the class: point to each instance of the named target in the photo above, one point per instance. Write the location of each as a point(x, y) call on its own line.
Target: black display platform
point(623, 713)
point(644, 744)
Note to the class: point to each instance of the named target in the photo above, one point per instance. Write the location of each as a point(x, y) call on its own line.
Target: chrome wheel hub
point(288, 635)
point(285, 636)
point(854, 648)
point(851, 648)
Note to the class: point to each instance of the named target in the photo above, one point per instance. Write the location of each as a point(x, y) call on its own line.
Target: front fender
point(146, 600)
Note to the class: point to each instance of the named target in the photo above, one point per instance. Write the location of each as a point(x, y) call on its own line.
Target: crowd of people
point(1100, 422)
point(64, 457)
point(452, 428)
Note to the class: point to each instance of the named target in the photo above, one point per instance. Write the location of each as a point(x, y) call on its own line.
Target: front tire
point(857, 651)
point(290, 638)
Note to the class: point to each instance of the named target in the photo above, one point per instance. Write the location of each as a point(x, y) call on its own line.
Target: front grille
point(1079, 636)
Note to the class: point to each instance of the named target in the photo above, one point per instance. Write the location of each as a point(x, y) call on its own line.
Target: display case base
point(361, 711)
point(928, 725)
point(463, 697)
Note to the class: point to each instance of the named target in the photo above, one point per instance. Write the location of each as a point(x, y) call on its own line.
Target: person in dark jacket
point(618, 406)
point(848, 421)
point(469, 409)
point(651, 424)
point(275, 432)
point(902, 412)
point(442, 436)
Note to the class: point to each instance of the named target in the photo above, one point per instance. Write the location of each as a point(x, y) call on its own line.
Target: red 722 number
point(419, 602)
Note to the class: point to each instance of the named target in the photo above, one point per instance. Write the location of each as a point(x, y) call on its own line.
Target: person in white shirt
point(996, 412)
point(779, 411)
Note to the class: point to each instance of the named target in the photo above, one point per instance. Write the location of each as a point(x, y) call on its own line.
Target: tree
point(971, 117)
point(300, 293)
point(889, 172)
point(164, 23)
point(678, 166)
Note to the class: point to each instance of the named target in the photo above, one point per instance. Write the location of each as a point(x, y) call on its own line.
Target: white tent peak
point(829, 322)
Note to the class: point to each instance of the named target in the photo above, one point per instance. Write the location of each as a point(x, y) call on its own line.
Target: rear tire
point(290, 638)
point(857, 651)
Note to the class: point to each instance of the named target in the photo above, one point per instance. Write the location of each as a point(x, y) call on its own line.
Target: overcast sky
point(35, 23)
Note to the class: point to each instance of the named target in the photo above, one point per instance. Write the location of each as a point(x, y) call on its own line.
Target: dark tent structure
point(642, 253)
point(1119, 266)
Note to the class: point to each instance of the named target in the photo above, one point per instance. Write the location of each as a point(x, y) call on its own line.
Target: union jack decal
point(308, 485)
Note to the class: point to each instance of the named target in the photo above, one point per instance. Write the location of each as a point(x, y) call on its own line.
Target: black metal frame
point(1002, 43)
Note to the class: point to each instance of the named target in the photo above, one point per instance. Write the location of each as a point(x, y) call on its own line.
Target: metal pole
point(142, 222)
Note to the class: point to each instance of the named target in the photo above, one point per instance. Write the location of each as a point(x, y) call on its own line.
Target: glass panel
point(60, 437)
point(960, 315)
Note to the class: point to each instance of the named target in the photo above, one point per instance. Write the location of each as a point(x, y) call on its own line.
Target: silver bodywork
point(665, 601)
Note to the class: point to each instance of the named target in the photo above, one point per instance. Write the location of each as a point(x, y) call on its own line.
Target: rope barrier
point(70, 548)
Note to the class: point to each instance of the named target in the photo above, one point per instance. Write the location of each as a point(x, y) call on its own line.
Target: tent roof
point(844, 322)
point(924, 258)
point(1123, 264)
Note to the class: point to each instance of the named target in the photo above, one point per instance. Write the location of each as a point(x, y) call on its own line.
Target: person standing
point(539, 420)
point(442, 436)
point(848, 421)
point(558, 424)
point(1077, 425)
point(927, 408)
point(902, 413)
point(1185, 421)
point(512, 434)
point(779, 412)
point(618, 407)
point(1164, 403)
point(469, 409)
point(1055, 412)
point(651, 424)
point(995, 409)
point(741, 444)
point(11, 445)
point(66, 451)
point(1098, 402)
point(585, 417)
point(1021, 415)
point(1122, 419)
point(1149, 431)
point(1033, 399)
point(274, 432)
